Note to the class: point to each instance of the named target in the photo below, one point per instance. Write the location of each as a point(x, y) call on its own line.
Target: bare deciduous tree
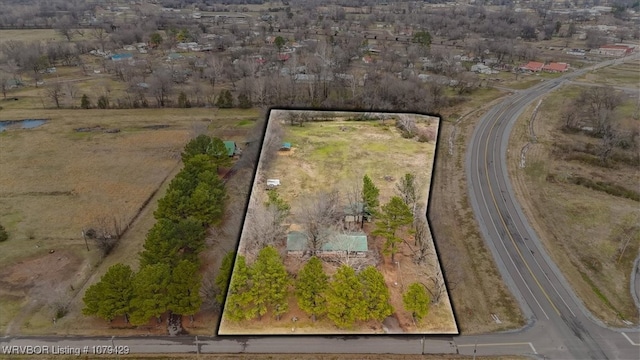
point(55, 93)
point(266, 228)
point(319, 214)
point(106, 231)
point(161, 86)
point(423, 240)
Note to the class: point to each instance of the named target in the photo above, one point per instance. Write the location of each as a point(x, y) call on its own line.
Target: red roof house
point(533, 66)
point(556, 67)
point(283, 56)
point(615, 50)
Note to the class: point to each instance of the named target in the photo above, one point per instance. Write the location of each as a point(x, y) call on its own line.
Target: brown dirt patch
point(37, 273)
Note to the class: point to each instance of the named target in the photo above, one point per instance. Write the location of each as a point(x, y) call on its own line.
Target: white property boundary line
point(510, 344)
point(627, 337)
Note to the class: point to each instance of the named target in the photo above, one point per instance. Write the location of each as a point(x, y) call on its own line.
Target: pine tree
point(85, 103)
point(111, 296)
point(311, 284)
point(376, 294)
point(205, 145)
point(244, 102)
point(219, 154)
point(416, 300)
point(279, 203)
point(270, 283)
point(239, 297)
point(222, 280)
point(345, 301)
point(370, 197)
point(183, 291)
point(225, 99)
point(169, 241)
point(150, 293)
point(183, 101)
point(206, 205)
point(4, 235)
point(394, 215)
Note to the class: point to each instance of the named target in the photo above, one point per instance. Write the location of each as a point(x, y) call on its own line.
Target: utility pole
point(474, 350)
point(197, 348)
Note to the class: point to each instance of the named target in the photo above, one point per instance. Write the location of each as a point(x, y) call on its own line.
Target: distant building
point(556, 67)
point(614, 50)
point(121, 57)
point(532, 66)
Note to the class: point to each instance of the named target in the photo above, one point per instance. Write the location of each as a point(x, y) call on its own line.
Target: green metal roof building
point(231, 147)
point(352, 242)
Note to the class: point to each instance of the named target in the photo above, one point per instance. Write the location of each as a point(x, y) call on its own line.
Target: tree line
point(168, 279)
point(347, 297)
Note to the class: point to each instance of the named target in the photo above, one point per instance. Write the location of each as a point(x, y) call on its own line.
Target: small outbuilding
point(285, 146)
point(232, 148)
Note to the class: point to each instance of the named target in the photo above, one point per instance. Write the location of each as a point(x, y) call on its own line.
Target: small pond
point(21, 124)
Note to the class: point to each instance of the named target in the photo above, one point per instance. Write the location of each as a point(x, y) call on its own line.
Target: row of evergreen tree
point(264, 287)
point(168, 279)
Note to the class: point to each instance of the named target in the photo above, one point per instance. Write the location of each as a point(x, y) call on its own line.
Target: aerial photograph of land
point(335, 238)
point(217, 178)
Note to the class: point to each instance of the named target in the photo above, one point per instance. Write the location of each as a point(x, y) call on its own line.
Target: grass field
point(335, 155)
point(57, 181)
point(581, 228)
point(625, 74)
point(30, 35)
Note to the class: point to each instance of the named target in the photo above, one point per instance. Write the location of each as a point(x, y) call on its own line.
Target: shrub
point(4, 236)
point(85, 103)
point(426, 134)
point(103, 102)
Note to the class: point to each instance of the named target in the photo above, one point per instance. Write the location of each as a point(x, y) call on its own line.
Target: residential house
point(481, 68)
point(532, 66)
point(350, 244)
point(556, 67)
point(121, 57)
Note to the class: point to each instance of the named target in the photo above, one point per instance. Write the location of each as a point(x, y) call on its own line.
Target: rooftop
point(298, 241)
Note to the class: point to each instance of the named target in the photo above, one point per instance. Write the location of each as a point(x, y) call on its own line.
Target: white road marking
point(495, 227)
point(503, 344)
point(632, 343)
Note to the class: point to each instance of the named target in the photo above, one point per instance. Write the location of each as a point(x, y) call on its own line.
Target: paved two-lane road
point(560, 326)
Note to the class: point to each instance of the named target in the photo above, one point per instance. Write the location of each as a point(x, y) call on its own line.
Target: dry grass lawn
point(336, 155)
point(581, 228)
point(475, 285)
point(30, 35)
point(624, 74)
